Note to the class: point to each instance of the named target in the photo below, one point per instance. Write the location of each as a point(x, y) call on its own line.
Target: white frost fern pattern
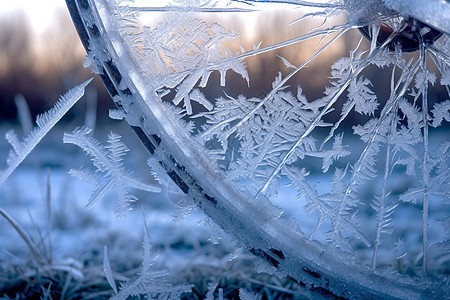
point(333, 175)
point(110, 174)
point(153, 281)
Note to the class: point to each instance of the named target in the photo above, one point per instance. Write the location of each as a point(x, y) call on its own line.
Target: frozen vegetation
point(346, 193)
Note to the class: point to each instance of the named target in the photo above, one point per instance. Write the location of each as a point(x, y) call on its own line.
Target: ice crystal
point(153, 281)
point(264, 141)
point(362, 133)
point(108, 160)
point(45, 122)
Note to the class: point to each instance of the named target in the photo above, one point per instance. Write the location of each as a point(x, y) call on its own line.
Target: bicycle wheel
point(318, 186)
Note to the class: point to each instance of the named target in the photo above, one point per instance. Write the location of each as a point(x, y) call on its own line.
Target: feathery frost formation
point(153, 280)
point(110, 173)
point(45, 122)
point(379, 146)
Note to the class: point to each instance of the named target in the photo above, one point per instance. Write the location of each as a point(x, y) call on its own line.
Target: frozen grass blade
point(107, 270)
point(23, 112)
point(49, 215)
point(426, 159)
point(45, 122)
point(23, 235)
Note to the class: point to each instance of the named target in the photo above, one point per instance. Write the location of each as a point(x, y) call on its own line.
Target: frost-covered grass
point(49, 205)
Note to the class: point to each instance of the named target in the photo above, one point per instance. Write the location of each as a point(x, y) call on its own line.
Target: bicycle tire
point(257, 229)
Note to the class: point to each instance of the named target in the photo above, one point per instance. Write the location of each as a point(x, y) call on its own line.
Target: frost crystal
point(45, 123)
point(109, 161)
point(353, 158)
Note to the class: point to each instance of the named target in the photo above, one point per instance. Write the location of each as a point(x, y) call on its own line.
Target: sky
point(55, 46)
point(40, 12)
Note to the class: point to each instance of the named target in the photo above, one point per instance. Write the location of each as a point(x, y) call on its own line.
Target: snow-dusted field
point(50, 206)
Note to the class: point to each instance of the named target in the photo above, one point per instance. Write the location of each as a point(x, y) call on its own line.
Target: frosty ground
point(49, 205)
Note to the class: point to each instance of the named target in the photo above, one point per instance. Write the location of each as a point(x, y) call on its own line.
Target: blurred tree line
point(40, 66)
point(45, 65)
